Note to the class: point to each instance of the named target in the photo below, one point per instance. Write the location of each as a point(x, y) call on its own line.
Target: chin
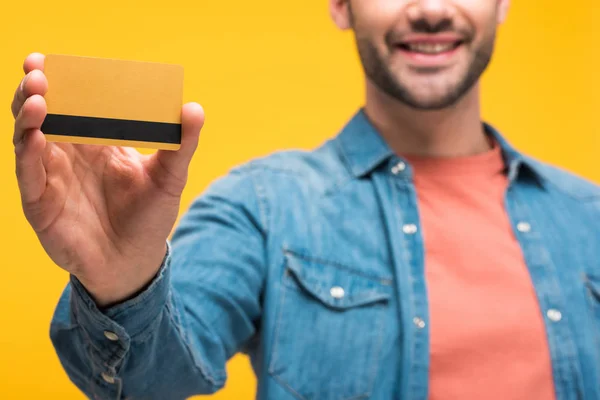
point(429, 93)
point(427, 100)
point(430, 105)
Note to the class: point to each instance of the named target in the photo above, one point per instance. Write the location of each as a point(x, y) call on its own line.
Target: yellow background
point(271, 75)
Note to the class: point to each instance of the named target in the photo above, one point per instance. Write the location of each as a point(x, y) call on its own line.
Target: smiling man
point(416, 255)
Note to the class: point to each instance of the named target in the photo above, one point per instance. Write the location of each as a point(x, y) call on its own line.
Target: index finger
point(33, 61)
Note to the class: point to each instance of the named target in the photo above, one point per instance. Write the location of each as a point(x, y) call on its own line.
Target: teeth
point(430, 48)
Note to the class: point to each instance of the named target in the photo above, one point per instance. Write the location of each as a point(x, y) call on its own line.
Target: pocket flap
point(593, 283)
point(335, 285)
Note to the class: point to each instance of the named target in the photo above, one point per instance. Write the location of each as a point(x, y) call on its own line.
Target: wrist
point(127, 283)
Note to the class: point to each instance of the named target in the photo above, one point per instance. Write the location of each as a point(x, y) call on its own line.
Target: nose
point(433, 11)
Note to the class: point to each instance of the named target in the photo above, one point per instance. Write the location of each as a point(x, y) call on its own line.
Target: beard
point(442, 91)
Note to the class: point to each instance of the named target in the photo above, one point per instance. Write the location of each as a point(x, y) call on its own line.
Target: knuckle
point(23, 86)
point(18, 100)
point(22, 111)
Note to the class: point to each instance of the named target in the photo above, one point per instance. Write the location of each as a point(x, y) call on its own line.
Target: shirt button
point(409, 229)
point(396, 169)
point(108, 378)
point(523, 227)
point(337, 292)
point(111, 336)
point(554, 315)
point(419, 322)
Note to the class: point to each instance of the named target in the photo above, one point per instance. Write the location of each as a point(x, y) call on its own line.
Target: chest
point(353, 286)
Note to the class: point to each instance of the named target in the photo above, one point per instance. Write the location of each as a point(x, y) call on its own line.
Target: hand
point(101, 213)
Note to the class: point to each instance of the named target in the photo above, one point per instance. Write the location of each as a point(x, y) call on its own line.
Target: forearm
point(173, 340)
point(138, 349)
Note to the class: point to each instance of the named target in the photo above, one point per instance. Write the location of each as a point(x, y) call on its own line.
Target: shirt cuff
point(125, 321)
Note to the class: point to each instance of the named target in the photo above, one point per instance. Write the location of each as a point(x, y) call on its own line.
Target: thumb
point(167, 168)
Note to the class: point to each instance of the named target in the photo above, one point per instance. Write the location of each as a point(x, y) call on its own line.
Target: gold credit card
point(113, 102)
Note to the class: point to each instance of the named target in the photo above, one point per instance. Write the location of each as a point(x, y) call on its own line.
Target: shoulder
point(318, 170)
point(290, 177)
point(566, 182)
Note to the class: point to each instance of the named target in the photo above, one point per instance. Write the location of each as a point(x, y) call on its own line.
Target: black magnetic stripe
point(109, 128)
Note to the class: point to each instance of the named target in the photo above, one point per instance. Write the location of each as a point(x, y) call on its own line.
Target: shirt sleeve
point(174, 338)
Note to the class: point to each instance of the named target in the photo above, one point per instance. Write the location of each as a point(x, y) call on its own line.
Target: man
point(416, 255)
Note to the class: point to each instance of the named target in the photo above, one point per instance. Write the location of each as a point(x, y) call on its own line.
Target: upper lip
point(441, 38)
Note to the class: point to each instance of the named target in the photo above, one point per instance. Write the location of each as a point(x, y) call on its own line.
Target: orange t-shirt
point(488, 339)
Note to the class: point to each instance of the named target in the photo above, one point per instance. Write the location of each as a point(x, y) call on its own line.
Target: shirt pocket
point(329, 329)
point(593, 289)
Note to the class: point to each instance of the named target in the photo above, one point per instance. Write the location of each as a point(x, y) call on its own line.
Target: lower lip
point(429, 60)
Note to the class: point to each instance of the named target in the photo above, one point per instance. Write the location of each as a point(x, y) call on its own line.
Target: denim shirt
point(300, 260)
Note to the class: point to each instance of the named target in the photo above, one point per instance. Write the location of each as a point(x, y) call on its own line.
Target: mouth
point(430, 48)
point(430, 51)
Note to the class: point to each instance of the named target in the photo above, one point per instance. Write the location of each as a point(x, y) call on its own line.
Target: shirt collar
point(364, 149)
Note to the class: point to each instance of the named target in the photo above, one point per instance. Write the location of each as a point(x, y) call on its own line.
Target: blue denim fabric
point(300, 260)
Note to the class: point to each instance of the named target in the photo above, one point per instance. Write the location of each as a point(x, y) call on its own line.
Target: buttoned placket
point(398, 200)
point(562, 347)
point(107, 377)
